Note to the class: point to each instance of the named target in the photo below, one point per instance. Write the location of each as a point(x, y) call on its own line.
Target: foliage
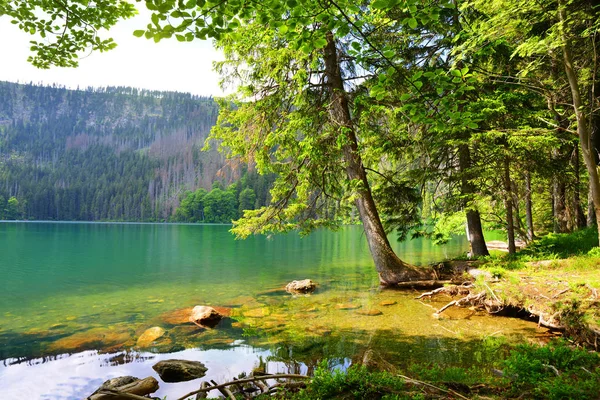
point(67, 28)
point(354, 383)
point(555, 371)
point(563, 245)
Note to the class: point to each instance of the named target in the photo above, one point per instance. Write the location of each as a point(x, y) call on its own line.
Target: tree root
point(228, 394)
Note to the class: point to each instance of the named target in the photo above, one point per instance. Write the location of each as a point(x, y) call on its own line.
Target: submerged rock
point(179, 316)
point(369, 312)
point(303, 286)
point(91, 339)
point(347, 306)
point(205, 316)
point(150, 335)
point(386, 303)
point(179, 370)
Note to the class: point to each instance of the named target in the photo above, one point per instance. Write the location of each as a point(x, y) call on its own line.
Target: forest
point(117, 154)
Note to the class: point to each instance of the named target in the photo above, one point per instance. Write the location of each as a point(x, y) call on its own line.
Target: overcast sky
point(136, 62)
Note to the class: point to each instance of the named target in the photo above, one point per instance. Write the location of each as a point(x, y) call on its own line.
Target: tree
point(12, 211)
point(68, 28)
point(247, 200)
point(556, 36)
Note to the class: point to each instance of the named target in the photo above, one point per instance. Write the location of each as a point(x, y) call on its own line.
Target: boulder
point(150, 335)
point(205, 316)
point(303, 286)
point(179, 370)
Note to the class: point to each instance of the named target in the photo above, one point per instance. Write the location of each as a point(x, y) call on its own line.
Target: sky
point(136, 62)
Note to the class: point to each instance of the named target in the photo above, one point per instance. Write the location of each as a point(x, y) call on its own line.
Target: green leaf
point(412, 22)
point(389, 53)
point(320, 43)
point(380, 4)
point(139, 33)
point(455, 72)
point(472, 125)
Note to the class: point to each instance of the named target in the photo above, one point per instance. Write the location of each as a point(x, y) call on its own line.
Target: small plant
point(555, 371)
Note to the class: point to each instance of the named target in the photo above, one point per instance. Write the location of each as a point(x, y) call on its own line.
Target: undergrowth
point(556, 371)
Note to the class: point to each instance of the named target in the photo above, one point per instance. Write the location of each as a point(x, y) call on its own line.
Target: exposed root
point(470, 299)
point(449, 290)
point(228, 394)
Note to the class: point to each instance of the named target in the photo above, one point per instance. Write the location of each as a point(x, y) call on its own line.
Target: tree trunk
point(591, 217)
point(508, 203)
point(560, 212)
point(528, 207)
point(579, 215)
point(583, 130)
point(390, 268)
point(474, 229)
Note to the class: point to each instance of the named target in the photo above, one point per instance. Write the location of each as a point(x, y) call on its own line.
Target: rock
point(205, 316)
point(179, 370)
point(150, 335)
point(182, 316)
point(369, 312)
point(386, 303)
point(475, 273)
point(303, 286)
point(179, 316)
point(347, 306)
point(96, 338)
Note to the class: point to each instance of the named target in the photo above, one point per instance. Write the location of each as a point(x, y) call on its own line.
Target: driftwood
point(133, 390)
point(239, 381)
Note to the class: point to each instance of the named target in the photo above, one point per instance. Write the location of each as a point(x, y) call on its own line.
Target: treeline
point(220, 205)
point(104, 154)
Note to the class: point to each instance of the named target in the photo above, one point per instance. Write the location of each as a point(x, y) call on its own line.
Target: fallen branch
point(224, 391)
point(117, 394)
point(417, 382)
point(245, 380)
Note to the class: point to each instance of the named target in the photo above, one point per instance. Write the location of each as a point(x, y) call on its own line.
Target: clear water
point(75, 297)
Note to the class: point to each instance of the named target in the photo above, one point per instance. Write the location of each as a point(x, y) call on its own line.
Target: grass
point(556, 371)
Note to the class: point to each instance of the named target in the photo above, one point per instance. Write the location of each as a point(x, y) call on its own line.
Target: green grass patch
point(562, 245)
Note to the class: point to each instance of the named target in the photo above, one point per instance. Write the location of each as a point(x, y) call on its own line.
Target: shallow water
point(75, 297)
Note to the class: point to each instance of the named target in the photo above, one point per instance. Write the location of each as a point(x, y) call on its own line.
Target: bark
point(578, 210)
point(508, 203)
point(390, 268)
point(583, 129)
point(529, 207)
point(474, 229)
point(560, 212)
point(591, 217)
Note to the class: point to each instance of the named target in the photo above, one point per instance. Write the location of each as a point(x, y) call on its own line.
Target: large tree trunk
point(391, 269)
point(474, 229)
point(529, 207)
point(583, 129)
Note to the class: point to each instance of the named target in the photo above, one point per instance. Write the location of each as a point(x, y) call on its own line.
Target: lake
point(74, 298)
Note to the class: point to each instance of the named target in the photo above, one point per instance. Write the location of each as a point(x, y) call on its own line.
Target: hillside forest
point(116, 154)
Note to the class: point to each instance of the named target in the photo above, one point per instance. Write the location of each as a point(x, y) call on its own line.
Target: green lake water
point(75, 298)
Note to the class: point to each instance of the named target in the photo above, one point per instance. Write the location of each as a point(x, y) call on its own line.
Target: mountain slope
point(104, 154)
